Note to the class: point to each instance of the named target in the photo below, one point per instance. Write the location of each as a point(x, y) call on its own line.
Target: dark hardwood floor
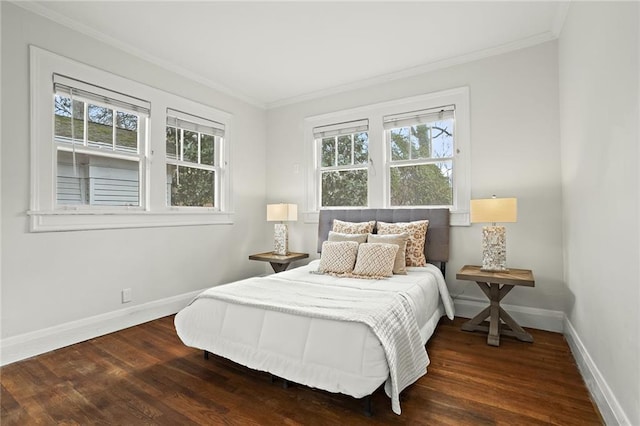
point(144, 375)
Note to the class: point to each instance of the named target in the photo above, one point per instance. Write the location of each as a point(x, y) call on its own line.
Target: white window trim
point(375, 113)
point(45, 217)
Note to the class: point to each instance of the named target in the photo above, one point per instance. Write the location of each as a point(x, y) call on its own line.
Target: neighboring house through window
point(96, 139)
point(100, 139)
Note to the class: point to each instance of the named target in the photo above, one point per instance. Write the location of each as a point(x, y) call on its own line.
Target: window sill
point(79, 220)
point(455, 219)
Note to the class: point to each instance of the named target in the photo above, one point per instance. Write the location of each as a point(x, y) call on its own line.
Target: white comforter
point(298, 292)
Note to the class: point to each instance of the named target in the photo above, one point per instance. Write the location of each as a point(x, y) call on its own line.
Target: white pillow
point(338, 257)
point(339, 236)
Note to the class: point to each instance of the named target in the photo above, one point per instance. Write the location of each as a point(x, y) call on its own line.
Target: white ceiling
point(274, 53)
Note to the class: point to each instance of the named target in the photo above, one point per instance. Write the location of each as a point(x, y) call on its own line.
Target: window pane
point(97, 180)
point(126, 132)
point(100, 126)
point(328, 152)
point(190, 146)
point(62, 117)
point(400, 148)
point(442, 138)
point(361, 148)
point(344, 188)
point(207, 146)
point(420, 141)
point(172, 141)
point(422, 185)
point(344, 150)
point(189, 186)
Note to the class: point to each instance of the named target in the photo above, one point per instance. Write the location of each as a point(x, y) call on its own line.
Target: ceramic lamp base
point(494, 249)
point(280, 239)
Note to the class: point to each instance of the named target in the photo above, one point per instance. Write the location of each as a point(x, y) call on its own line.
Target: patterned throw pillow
point(353, 227)
point(375, 260)
point(400, 264)
point(417, 235)
point(338, 257)
point(338, 236)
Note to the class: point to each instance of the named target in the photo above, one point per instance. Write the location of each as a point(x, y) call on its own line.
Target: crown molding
point(38, 9)
point(561, 16)
point(420, 69)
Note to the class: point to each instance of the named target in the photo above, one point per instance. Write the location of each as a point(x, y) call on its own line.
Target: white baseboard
point(26, 345)
point(607, 403)
point(541, 319)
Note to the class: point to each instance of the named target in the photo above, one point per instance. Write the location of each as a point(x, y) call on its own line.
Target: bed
point(279, 323)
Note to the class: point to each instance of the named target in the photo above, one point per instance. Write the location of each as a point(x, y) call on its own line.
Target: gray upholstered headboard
point(436, 247)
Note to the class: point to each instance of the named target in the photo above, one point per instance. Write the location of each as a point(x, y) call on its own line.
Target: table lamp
point(494, 248)
point(281, 213)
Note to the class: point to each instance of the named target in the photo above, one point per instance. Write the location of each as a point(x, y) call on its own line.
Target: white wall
point(514, 152)
point(49, 279)
point(598, 58)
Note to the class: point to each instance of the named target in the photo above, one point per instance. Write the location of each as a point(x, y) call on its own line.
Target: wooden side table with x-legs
point(278, 262)
point(496, 285)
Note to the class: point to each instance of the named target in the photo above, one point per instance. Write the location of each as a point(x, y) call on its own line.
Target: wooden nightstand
point(496, 285)
point(278, 262)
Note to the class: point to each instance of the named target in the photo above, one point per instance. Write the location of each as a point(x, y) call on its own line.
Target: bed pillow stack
point(373, 255)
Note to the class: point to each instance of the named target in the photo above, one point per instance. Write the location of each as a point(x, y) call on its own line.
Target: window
point(108, 152)
point(193, 149)
point(343, 163)
point(413, 152)
point(420, 157)
point(99, 138)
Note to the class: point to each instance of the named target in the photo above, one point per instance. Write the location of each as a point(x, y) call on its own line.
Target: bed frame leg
point(285, 384)
point(206, 354)
point(368, 409)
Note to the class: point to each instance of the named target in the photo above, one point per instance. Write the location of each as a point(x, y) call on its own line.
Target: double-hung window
point(109, 152)
point(411, 152)
point(420, 157)
point(194, 161)
point(99, 138)
point(343, 159)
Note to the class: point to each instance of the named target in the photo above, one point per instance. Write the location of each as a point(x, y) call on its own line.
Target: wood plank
point(145, 375)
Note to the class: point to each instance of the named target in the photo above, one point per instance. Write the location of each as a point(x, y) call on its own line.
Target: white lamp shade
point(282, 212)
point(494, 210)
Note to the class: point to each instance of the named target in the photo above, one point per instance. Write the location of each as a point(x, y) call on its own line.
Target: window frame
point(391, 163)
point(380, 155)
point(357, 127)
point(219, 163)
point(84, 148)
point(46, 216)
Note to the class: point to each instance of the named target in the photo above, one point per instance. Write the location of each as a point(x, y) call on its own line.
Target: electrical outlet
point(126, 295)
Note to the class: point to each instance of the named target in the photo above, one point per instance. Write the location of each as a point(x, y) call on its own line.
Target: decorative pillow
point(338, 236)
point(338, 257)
point(417, 235)
point(400, 265)
point(375, 260)
point(353, 227)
